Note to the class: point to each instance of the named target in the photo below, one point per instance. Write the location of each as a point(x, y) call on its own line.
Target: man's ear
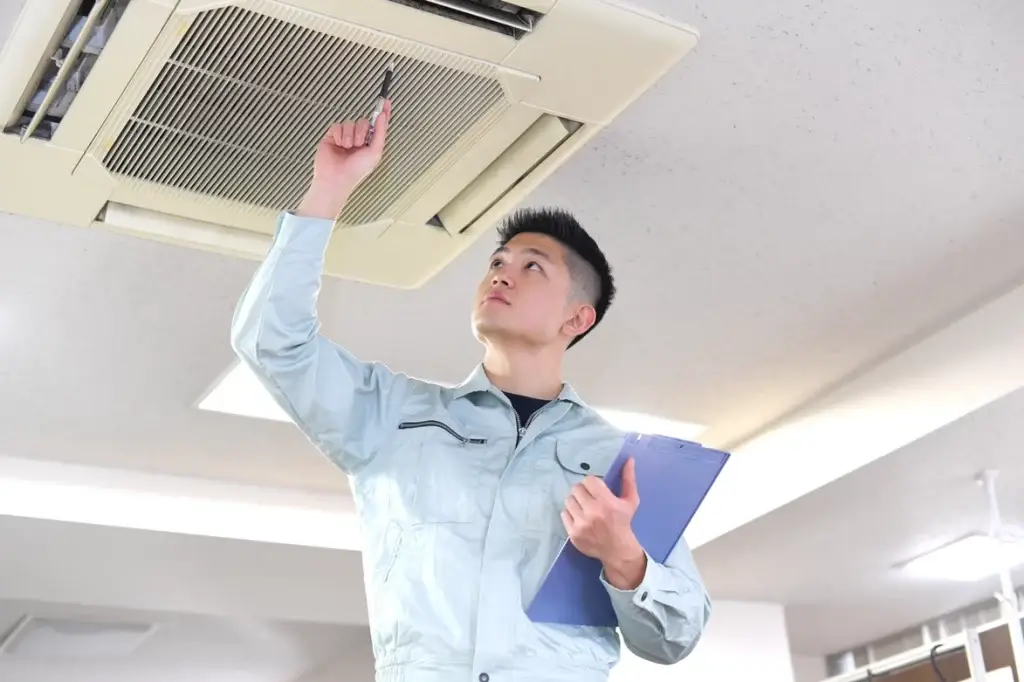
point(580, 322)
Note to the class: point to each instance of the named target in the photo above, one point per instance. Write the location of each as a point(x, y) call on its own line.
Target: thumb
point(380, 131)
point(629, 489)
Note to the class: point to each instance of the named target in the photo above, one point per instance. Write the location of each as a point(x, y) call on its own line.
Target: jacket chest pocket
point(437, 473)
point(539, 487)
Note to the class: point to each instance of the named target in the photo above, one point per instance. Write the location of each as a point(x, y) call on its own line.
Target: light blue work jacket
point(459, 502)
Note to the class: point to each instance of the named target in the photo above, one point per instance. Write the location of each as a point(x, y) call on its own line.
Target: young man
point(467, 493)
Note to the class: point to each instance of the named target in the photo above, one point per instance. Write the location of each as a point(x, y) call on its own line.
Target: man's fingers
point(629, 490)
point(380, 128)
point(353, 134)
point(362, 127)
point(596, 488)
point(333, 134)
point(348, 129)
point(572, 505)
point(567, 521)
point(581, 493)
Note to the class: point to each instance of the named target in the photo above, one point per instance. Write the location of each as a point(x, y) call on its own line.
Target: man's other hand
point(598, 524)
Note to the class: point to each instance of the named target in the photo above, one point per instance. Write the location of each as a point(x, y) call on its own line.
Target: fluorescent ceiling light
point(239, 392)
point(649, 424)
point(75, 493)
point(50, 638)
point(969, 559)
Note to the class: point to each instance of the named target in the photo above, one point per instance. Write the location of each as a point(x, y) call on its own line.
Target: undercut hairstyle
point(591, 274)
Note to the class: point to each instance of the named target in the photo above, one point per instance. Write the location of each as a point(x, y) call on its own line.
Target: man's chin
point(488, 330)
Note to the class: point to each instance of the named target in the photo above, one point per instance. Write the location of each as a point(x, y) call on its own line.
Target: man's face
point(525, 296)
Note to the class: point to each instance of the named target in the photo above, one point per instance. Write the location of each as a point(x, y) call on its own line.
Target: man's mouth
point(497, 298)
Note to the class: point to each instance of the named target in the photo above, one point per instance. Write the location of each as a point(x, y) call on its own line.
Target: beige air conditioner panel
point(36, 180)
point(452, 117)
point(615, 52)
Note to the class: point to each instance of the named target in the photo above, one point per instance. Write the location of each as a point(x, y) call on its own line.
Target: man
point(467, 493)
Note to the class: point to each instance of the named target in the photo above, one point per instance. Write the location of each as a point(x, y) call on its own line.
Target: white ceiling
point(816, 185)
point(227, 611)
point(195, 648)
point(832, 555)
point(819, 186)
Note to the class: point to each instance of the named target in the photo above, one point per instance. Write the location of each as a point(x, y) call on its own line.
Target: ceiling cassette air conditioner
point(194, 122)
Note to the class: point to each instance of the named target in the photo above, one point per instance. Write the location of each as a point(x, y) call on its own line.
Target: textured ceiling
point(831, 555)
point(816, 185)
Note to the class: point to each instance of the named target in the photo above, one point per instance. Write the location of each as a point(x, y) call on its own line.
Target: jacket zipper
point(442, 425)
point(521, 428)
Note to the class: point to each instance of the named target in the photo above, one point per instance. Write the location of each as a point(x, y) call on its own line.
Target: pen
point(378, 106)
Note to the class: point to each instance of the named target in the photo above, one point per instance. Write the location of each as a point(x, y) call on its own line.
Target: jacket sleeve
point(345, 407)
point(664, 617)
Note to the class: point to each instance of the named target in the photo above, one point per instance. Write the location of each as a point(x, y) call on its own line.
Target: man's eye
point(495, 263)
point(533, 265)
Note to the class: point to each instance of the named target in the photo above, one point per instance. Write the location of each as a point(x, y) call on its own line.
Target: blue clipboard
point(673, 477)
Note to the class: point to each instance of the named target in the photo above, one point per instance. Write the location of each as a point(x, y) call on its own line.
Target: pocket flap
point(580, 460)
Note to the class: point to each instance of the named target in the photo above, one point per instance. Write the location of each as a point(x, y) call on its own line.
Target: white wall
point(355, 667)
point(809, 668)
point(744, 641)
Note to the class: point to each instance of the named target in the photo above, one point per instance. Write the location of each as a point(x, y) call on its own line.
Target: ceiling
point(832, 555)
point(813, 187)
point(818, 188)
point(226, 610)
point(196, 648)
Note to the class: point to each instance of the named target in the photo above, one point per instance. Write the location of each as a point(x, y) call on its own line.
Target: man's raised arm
point(342, 405)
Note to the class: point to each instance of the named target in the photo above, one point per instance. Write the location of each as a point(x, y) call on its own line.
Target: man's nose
point(501, 279)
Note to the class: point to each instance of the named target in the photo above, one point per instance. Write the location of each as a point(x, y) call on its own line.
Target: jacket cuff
point(642, 597)
point(309, 235)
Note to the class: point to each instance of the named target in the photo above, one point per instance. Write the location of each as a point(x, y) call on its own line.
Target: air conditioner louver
point(494, 15)
point(199, 119)
point(62, 76)
point(238, 109)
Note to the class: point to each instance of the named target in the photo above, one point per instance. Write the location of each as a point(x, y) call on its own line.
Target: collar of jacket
point(477, 382)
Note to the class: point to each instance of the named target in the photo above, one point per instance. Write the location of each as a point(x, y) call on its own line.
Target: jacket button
point(484, 677)
point(643, 597)
point(585, 466)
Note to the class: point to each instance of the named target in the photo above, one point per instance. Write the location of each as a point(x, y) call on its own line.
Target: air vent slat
point(238, 109)
point(66, 67)
point(481, 11)
point(494, 15)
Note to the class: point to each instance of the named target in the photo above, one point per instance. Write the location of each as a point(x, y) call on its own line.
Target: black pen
point(378, 106)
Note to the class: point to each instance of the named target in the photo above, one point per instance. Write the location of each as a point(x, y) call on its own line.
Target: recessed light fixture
point(970, 558)
point(64, 638)
point(239, 392)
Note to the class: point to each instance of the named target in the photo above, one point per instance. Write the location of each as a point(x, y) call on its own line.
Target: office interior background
point(817, 224)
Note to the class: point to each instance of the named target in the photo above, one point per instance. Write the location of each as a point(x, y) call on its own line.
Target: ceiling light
point(969, 559)
point(239, 392)
point(50, 638)
point(649, 424)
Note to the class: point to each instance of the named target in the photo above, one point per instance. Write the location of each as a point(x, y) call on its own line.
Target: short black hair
point(586, 262)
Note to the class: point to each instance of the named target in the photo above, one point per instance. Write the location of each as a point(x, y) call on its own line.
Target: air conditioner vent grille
point(237, 110)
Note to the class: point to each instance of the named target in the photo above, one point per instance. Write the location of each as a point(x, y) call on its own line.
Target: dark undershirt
point(525, 406)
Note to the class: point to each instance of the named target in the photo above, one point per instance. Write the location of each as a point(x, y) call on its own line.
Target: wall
point(356, 666)
point(744, 641)
point(809, 668)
